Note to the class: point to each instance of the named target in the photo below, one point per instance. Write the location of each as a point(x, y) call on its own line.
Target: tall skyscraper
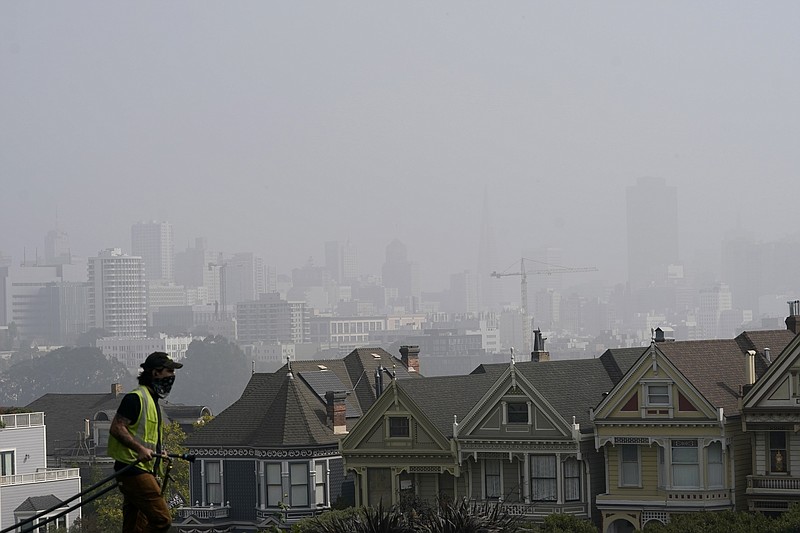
point(199, 267)
point(341, 260)
point(489, 288)
point(56, 248)
point(652, 217)
point(118, 293)
point(152, 241)
point(245, 278)
point(401, 274)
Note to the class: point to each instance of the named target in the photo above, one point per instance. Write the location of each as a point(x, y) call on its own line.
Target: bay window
point(716, 472)
point(572, 480)
point(685, 464)
point(298, 479)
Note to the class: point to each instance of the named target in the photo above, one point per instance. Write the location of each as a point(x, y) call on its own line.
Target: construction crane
point(556, 269)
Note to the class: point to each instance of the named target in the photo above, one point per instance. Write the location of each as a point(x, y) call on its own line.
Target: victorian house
point(273, 457)
point(518, 434)
point(671, 429)
point(771, 417)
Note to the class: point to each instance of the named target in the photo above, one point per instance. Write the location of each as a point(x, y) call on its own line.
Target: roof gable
point(654, 388)
point(780, 385)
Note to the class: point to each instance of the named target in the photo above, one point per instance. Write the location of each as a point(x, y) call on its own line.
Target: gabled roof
point(38, 503)
point(65, 413)
point(442, 397)
point(276, 411)
point(778, 371)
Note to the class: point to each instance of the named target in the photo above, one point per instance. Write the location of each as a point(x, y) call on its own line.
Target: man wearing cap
point(136, 434)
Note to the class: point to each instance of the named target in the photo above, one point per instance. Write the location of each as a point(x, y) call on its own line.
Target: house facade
point(771, 418)
point(272, 457)
point(671, 430)
point(27, 486)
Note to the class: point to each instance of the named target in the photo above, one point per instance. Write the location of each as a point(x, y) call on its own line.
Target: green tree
point(67, 370)
point(89, 337)
point(214, 374)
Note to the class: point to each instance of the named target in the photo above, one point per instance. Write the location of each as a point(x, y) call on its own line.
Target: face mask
point(162, 386)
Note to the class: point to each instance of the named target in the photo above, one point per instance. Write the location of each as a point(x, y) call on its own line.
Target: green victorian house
point(518, 434)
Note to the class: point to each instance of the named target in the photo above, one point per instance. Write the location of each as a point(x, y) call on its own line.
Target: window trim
point(579, 477)
point(649, 402)
point(221, 483)
point(721, 464)
point(784, 449)
point(292, 484)
point(698, 464)
point(323, 482)
point(534, 478)
point(12, 452)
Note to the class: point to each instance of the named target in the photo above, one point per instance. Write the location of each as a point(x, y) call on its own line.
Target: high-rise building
point(272, 319)
point(714, 302)
point(56, 248)
point(118, 293)
point(244, 278)
point(199, 267)
point(341, 260)
point(463, 293)
point(401, 274)
point(652, 218)
point(152, 241)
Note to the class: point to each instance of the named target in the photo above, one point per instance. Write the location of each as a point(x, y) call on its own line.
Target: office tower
point(199, 267)
point(341, 260)
point(713, 303)
point(652, 218)
point(56, 248)
point(244, 278)
point(118, 293)
point(152, 241)
point(43, 302)
point(463, 293)
point(402, 275)
point(271, 319)
point(489, 288)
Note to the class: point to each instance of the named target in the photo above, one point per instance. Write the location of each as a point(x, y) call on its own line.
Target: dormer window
point(517, 412)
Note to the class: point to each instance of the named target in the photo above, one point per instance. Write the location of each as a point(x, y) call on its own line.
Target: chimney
point(793, 320)
point(410, 357)
point(337, 411)
point(116, 389)
point(664, 334)
point(750, 367)
point(539, 354)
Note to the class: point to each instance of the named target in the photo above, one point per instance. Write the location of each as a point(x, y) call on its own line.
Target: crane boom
point(523, 297)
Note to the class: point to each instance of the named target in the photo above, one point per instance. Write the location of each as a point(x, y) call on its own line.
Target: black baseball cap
point(159, 360)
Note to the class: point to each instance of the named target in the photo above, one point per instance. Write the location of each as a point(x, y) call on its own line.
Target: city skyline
point(304, 126)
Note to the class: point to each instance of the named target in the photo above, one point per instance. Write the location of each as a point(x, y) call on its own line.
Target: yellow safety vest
point(146, 432)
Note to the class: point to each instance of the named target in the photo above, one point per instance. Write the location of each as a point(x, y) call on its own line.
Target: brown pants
point(143, 508)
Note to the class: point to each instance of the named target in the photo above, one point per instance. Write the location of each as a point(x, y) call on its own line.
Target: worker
point(136, 434)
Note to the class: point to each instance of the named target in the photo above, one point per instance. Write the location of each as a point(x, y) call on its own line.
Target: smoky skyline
point(274, 127)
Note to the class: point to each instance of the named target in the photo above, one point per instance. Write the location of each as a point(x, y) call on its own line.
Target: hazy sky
point(275, 126)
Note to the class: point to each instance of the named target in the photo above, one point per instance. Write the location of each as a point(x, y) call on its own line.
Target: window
point(658, 395)
point(662, 469)
point(320, 484)
point(777, 452)
point(572, 480)
point(517, 412)
point(213, 475)
point(298, 479)
point(544, 487)
point(491, 472)
point(7, 467)
point(629, 465)
point(716, 475)
point(398, 426)
point(274, 487)
point(685, 464)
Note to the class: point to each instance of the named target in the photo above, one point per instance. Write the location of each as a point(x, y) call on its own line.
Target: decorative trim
point(246, 453)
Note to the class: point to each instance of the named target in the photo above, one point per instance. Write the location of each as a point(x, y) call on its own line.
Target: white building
point(153, 242)
point(132, 352)
point(118, 293)
point(27, 486)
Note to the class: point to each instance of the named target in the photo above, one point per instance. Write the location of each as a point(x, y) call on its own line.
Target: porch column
point(559, 480)
point(526, 479)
